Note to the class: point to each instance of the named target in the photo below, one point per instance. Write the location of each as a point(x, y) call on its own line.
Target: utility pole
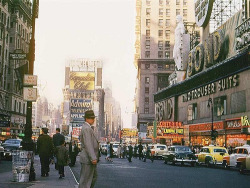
point(27, 143)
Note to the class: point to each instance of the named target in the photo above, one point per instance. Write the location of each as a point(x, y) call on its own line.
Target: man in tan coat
point(89, 155)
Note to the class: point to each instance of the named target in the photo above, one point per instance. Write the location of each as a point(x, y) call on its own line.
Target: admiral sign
point(203, 10)
point(78, 107)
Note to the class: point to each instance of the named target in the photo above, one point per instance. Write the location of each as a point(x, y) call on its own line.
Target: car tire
point(241, 169)
point(225, 165)
point(166, 161)
point(182, 163)
point(192, 164)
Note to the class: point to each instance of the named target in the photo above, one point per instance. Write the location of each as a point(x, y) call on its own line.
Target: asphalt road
point(138, 174)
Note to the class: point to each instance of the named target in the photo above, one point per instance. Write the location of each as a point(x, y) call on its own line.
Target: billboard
point(126, 132)
point(84, 81)
point(78, 107)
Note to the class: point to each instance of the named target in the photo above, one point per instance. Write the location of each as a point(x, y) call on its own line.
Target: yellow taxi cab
point(212, 155)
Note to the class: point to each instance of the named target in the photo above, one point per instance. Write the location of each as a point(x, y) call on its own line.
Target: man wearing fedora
point(89, 155)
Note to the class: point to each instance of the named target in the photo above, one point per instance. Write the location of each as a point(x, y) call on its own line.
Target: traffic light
point(214, 134)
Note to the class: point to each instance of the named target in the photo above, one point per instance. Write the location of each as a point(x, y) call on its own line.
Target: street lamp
point(214, 133)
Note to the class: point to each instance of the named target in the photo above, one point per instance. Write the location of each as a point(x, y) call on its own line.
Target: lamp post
point(27, 143)
point(213, 136)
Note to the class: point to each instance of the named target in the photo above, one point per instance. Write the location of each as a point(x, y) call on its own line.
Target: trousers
point(88, 176)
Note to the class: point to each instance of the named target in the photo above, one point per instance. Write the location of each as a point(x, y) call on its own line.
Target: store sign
point(84, 81)
point(76, 131)
point(126, 132)
point(78, 107)
point(18, 56)
point(245, 121)
point(221, 85)
point(203, 10)
point(29, 94)
point(164, 110)
point(4, 123)
point(233, 124)
point(206, 127)
point(30, 80)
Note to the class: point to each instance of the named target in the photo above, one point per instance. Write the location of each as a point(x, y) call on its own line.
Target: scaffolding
point(222, 11)
point(194, 31)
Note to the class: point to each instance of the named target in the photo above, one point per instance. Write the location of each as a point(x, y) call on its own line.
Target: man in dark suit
point(45, 150)
point(89, 155)
point(57, 139)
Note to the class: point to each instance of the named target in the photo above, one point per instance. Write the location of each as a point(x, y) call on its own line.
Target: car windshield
point(12, 141)
point(220, 151)
point(205, 150)
point(161, 147)
point(115, 146)
point(182, 149)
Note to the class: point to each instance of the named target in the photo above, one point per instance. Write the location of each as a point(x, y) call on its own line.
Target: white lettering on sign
point(30, 80)
point(245, 121)
point(203, 9)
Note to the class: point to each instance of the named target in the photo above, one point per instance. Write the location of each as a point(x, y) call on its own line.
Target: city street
point(138, 174)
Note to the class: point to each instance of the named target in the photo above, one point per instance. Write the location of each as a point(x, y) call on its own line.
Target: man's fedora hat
point(89, 114)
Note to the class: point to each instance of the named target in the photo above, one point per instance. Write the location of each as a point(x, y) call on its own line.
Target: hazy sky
point(98, 29)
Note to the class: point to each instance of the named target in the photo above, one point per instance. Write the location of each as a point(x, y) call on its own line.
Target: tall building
point(155, 26)
point(15, 31)
point(83, 91)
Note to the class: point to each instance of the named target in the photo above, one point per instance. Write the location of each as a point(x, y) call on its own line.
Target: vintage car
point(231, 161)
point(244, 164)
point(157, 150)
point(212, 155)
point(179, 154)
point(1, 151)
point(10, 145)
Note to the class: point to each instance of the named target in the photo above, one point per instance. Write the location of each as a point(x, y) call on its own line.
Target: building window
point(148, 22)
point(147, 33)
point(167, 2)
point(146, 100)
point(184, 2)
point(167, 12)
point(160, 45)
point(178, 12)
point(167, 34)
point(148, 2)
point(167, 45)
point(172, 67)
point(146, 110)
point(167, 22)
point(192, 112)
point(220, 106)
point(167, 54)
point(147, 44)
point(160, 33)
point(178, 2)
point(147, 80)
point(147, 55)
point(161, 12)
point(147, 66)
point(160, 54)
point(160, 67)
point(160, 22)
point(148, 10)
point(167, 67)
point(185, 13)
point(146, 89)
point(160, 2)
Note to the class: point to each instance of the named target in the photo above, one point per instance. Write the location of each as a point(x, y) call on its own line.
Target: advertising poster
point(78, 107)
point(84, 81)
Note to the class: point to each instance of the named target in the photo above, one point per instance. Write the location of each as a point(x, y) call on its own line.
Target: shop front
point(167, 132)
point(200, 134)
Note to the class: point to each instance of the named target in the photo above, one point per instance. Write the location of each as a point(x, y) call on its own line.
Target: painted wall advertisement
point(84, 81)
point(78, 107)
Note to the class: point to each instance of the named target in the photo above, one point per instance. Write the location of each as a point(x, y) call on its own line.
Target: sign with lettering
point(245, 121)
point(18, 56)
point(30, 80)
point(29, 94)
point(206, 127)
point(164, 110)
point(76, 132)
point(221, 85)
point(78, 107)
point(203, 10)
point(82, 81)
point(233, 124)
point(126, 132)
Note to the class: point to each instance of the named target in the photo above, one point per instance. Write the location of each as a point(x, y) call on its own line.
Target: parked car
point(212, 155)
point(10, 145)
point(103, 148)
point(244, 164)
point(231, 161)
point(1, 151)
point(179, 154)
point(157, 150)
point(115, 148)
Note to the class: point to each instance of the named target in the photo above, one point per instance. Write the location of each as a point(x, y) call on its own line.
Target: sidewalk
point(6, 180)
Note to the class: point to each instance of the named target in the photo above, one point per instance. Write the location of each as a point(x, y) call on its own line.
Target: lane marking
point(74, 176)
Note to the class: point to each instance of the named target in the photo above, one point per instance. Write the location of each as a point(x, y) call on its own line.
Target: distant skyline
point(91, 29)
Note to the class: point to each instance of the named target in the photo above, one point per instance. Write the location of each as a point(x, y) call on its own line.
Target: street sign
point(18, 56)
point(30, 80)
point(29, 94)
